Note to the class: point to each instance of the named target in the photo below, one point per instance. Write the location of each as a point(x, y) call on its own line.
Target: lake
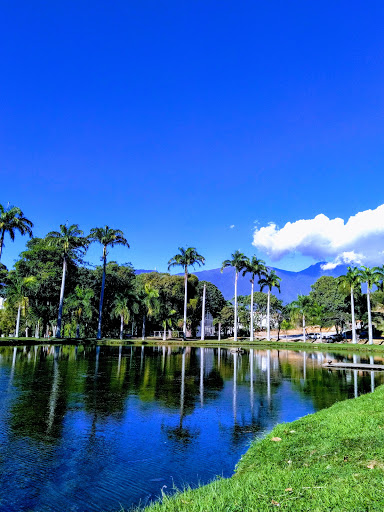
point(99, 428)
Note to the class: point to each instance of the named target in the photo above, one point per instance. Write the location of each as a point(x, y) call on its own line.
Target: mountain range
point(292, 283)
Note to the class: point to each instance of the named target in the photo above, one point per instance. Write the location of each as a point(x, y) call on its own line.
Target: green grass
point(330, 460)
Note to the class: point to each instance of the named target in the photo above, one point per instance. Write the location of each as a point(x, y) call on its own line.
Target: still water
point(100, 428)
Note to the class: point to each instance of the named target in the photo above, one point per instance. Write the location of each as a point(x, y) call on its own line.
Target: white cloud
point(360, 240)
point(231, 226)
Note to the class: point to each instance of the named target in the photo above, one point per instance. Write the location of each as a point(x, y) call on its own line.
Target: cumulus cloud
point(358, 241)
point(231, 226)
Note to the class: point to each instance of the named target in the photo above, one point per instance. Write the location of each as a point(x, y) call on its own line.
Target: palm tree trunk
point(18, 321)
point(102, 294)
point(185, 303)
point(370, 335)
point(235, 323)
point(354, 340)
point(143, 332)
point(77, 330)
point(219, 336)
point(59, 317)
point(203, 315)
point(2, 242)
point(165, 331)
point(251, 326)
point(303, 327)
point(268, 307)
point(121, 326)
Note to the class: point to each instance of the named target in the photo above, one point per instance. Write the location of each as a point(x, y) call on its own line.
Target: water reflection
point(90, 428)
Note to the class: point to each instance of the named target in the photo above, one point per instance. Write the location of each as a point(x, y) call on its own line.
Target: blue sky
point(175, 120)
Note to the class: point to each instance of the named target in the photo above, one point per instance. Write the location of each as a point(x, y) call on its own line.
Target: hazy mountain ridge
point(292, 283)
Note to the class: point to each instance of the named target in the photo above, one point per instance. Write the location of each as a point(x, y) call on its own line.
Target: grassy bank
point(330, 460)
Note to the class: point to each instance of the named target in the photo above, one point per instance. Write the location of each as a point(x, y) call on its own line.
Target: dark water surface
point(94, 429)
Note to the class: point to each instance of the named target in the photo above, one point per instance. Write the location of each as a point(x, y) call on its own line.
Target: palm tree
point(80, 302)
point(121, 310)
point(301, 307)
point(348, 283)
point(168, 321)
point(16, 294)
point(270, 280)
point(317, 315)
point(185, 258)
point(371, 276)
point(255, 267)
point(151, 304)
point(12, 219)
point(107, 237)
point(71, 241)
point(238, 261)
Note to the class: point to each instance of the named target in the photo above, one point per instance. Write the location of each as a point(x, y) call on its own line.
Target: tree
point(316, 312)
point(371, 276)
point(151, 304)
point(44, 262)
point(348, 283)
point(270, 280)
point(238, 262)
point(11, 220)
point(185, 258)
point(326, 292)
point(3, 277)
point(168, 318)
point(121, 310)
point(225, 319)
point(16, 294)
point(255, 267)
point(72, 244)
point(301, 308)
point(107, 237)
point(80, 303)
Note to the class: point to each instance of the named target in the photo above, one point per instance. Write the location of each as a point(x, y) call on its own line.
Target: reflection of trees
point(179, 433)
point(251, 367)
point(44, 384)
point(343, 383)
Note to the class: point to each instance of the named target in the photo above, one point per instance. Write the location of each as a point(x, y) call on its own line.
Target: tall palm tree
point(107, 237)
point(72, 243)
point(371, 276)
point(238, 262)
point(12, 219)
point(270, 280)
point(348, 282)
point(301, 307)
point(185, 258)
point(121, 310)
point(255, 267)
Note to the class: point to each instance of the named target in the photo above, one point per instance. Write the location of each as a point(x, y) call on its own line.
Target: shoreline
point(332, 459)
point(211, 343)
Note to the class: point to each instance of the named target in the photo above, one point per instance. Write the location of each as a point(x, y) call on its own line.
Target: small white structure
point(209, 328)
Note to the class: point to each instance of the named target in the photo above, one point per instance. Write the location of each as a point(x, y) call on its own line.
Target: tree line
point(53, 291)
